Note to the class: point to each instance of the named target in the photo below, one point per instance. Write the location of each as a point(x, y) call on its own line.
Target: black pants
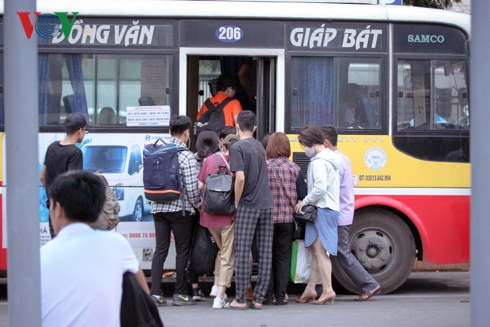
point(181, 226)
point(281, 257)
point(192, 276)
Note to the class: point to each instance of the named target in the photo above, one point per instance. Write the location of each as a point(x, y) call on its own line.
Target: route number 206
point(229, 33)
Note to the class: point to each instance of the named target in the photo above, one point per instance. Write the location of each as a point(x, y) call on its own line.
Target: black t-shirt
point(245, 157)
point(60, 159)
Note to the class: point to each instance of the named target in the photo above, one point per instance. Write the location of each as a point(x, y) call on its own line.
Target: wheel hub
point(373, 249)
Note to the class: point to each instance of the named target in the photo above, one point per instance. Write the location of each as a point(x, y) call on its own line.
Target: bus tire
point(385, 247)
point(138, 210)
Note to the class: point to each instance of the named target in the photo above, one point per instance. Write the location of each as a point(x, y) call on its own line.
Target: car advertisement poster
point(119, 157)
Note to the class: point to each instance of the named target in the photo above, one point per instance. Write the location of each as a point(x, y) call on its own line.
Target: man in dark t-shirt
point(62, 156)
point(253, 215)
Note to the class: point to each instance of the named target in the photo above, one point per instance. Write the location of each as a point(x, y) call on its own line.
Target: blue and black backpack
point(161, 173)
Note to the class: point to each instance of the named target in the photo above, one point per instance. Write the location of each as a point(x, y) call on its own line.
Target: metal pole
point(22, 177)
point(480, 163)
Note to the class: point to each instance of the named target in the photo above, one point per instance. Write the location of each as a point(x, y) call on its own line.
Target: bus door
point(256, 85)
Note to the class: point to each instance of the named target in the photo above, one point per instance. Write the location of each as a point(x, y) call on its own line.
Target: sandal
point(255, 306)
point(368, 295)
point(237, 306)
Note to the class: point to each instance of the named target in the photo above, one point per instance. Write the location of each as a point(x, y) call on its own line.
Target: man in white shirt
point(82, 268)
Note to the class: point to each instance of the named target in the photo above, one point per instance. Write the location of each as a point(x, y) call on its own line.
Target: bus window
point(101, 86)
point(344, 92)
point(432, 95)
point(432, 113)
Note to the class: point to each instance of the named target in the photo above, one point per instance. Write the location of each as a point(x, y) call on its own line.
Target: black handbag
point(204, 251)
point(307, 213)
point(299, 230)
point(137, 308)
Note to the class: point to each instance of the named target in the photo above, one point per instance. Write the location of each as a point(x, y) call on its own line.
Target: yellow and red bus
point(129, 66)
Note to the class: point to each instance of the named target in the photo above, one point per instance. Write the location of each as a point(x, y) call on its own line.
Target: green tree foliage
point(438, 4)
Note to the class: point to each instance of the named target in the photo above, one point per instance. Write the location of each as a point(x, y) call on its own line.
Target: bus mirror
point(167, 90)
point(295, 92)
point(377, 94)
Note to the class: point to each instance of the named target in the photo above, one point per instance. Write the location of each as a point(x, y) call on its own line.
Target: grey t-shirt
point(245, 157)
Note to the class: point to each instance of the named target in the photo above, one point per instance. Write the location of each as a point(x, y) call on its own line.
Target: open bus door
point(259, 95)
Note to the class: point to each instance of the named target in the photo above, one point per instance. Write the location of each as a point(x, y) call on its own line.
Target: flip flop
point(255, 306)
point(237, 307)
point(368, 295)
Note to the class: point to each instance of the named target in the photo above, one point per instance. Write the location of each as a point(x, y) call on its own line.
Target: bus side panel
point(3, 232)
point(3, 250)
point(443, 223)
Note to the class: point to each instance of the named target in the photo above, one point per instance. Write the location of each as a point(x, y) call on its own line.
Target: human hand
point(299, 206)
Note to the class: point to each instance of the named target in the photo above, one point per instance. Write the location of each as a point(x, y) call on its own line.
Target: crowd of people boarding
point(268, 190)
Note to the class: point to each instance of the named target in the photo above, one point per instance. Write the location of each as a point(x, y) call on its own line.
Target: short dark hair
point(310, 135)
point(330, 133)
point(226, 130)
point(246, 120)
point(278, 146)
point(225, 81)
point(80, 193)
point(206, 143)
point(265, 140)
point(350, 89)
point(179, 124)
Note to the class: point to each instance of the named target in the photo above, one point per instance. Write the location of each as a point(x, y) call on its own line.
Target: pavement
point(429, 299)
point(426, 299)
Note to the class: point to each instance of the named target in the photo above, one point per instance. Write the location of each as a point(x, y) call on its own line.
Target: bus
point(129, 66)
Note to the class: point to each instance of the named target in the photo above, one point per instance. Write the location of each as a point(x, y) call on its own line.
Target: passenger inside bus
point(356, 110)
point(462, 154)
point(348, 104)
point(107, 116)
point(146, 101)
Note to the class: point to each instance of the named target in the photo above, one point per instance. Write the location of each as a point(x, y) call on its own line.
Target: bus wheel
point(384, 246)
point(138, 210)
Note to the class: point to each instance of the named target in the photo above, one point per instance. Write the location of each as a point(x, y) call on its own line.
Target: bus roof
point(298, 10)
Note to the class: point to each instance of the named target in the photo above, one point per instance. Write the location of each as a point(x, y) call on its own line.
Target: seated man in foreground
point(82, 269)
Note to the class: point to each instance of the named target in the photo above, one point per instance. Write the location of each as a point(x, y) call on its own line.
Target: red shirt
point(232, 109)
point(209, 167)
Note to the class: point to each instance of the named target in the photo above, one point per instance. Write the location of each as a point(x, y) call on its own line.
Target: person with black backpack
point(176, 216)
point(206, 145)
point(218, 216)
point(221, 109)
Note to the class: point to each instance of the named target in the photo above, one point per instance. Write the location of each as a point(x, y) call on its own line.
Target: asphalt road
point(429, 299)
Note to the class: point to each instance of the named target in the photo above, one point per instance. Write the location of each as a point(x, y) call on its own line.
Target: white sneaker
point(214, 291)
point(220, 304)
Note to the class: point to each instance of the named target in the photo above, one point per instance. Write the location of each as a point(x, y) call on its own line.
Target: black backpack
point(213, 118)
point(204, 251)
point(218, 194)
point(161, 172)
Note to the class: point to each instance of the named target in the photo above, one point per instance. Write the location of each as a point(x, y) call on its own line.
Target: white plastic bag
point(300, 263)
